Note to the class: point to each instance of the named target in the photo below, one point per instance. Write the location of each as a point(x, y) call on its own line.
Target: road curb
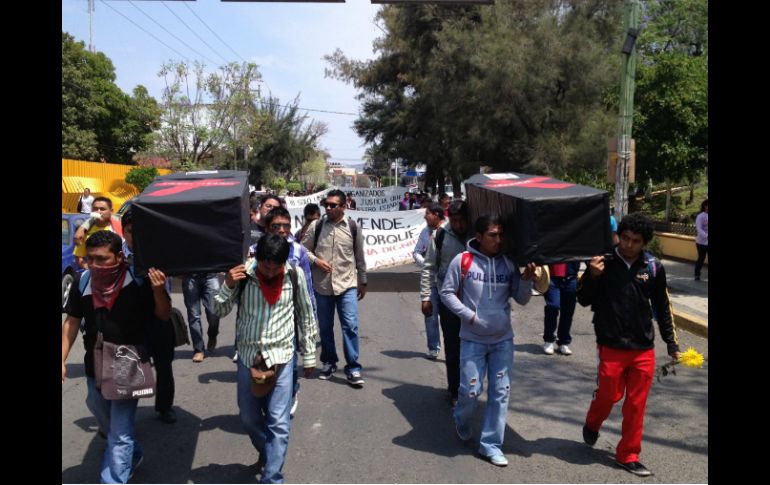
point(691, 323)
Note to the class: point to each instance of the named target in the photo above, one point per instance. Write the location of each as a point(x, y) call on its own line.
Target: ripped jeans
point(495, 361)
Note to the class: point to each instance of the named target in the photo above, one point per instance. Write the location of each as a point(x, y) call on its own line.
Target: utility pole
point(91, 8)
point(627, 84)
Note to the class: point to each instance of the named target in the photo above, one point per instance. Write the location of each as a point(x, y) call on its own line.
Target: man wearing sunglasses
point(278, 221)
point(339, 280)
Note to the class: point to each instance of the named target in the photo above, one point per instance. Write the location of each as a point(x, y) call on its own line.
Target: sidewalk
point(689, 298)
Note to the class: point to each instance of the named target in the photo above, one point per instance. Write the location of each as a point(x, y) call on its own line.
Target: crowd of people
point(286, 293)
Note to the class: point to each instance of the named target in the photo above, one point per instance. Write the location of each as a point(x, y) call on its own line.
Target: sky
point(286, 40)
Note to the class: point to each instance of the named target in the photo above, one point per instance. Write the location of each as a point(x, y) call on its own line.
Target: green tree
point(516, 86)
point(141, 177)
point(283, 140)
point(671, 119)
point(203, 112)
point(98, 119)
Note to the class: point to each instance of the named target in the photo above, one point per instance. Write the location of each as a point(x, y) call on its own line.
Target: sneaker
point(198, 357)
point(167, 416)
point(432, 354)
point(636, 468)
point(460, 435)
point(355, 379)
point(212, 344)
point(535, 292)
point(548, 348)
point(235, 356)
point(294, 404)
point(134, 466)
point(498, 460)
point(564, 350)
point(589, 436)
point(326, 371)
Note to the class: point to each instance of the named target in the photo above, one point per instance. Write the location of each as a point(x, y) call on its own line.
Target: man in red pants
point(623, 289)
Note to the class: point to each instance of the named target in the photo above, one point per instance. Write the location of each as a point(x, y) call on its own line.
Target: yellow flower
point(691, 358)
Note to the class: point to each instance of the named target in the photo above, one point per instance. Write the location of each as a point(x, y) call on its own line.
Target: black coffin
point(192, 222)
point(546, 220)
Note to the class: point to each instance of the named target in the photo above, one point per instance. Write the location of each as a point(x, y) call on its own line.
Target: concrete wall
point(678, 246)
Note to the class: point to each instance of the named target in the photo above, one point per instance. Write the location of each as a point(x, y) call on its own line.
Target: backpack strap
point(84, 279)
point(652, 266)
point(465, 264)
point(317, 234)
point(353, 231)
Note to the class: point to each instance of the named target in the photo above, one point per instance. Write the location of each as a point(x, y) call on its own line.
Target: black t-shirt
point(124, 324)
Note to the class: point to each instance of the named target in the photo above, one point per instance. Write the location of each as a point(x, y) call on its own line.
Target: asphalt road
point(398, 427)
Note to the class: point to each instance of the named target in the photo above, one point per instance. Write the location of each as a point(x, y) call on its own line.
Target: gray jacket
point(433, 272)
point(487, 286)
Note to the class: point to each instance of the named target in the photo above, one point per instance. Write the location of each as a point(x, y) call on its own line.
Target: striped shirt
point(270, 329)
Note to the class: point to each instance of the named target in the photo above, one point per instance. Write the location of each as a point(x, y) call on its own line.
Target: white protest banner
point(370, 200)
point(376, 199)
point(389, 237)
point(301, 202)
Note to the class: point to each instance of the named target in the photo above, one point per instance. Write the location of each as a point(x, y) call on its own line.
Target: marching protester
point(559, 309)
point(116, 307)
point(311, 213)
point(447, 242)
point(623, 292)
point(434, 217)
point(335, 246)
point(160, 338)
point(278, 221)
point(274, 304)
point(103, 222)
point(476, 288)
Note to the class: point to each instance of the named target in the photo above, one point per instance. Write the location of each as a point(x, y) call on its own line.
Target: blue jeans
point(98, 406)
point(496, 362)
point(197, 287)
point(431, 322)
point(122, 448)
point(561, 296)
point(267, 419)
point(347, 311)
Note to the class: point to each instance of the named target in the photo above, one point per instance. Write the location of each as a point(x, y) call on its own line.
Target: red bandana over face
point(106, 283)
point(271, 288)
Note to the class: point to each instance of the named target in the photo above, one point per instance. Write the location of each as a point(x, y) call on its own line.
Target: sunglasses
point(330, 205)
point(277, 225)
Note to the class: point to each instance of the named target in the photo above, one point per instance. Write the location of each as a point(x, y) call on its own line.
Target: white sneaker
point(498, 460)
point(564, 350)
point(235, 356)
point(432, 354)
point(548, 348)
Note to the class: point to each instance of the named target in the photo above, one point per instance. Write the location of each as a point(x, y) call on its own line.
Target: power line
point(210, 30)
point(170, 33)
point(194, 32)
point(145, 31)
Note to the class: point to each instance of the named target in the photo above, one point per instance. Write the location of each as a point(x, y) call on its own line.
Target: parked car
point(69, 266)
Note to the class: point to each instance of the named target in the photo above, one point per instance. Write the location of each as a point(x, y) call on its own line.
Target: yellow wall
point(104, 179)
point(678, 246)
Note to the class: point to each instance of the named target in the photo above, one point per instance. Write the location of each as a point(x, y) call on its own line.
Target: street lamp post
point(627, 84)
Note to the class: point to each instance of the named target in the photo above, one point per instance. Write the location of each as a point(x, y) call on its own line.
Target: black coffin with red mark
point(192, 222)
point(546, 220)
